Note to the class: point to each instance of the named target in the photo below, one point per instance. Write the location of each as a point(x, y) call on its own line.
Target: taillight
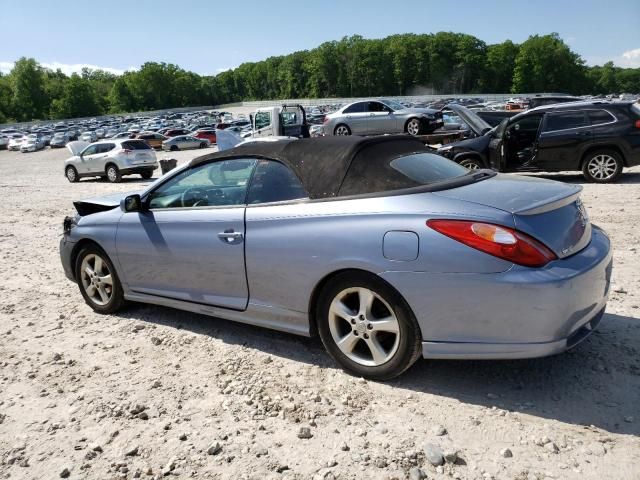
point(496, 240)
point(637, 123)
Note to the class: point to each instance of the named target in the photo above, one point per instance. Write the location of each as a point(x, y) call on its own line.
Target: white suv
point(110, 158)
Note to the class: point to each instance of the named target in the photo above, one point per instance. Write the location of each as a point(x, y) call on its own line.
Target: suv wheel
point(602, 166)
point(146, 175)
point(472, 163)
point(367, 327)
point(72, 174)
point(113, 174)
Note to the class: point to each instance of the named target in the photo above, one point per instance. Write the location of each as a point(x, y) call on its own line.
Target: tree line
point(407, 64)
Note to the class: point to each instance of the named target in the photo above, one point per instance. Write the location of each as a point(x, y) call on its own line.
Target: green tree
point(546, 63)
point(27, 85)
point(501, 59)
point(78, 100)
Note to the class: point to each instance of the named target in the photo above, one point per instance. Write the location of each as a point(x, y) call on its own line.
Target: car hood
point(477, 124)
point(89, 206)
point(76, 147)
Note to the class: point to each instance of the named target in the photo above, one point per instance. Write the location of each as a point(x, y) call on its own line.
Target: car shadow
point(596, 384)
point(632, 178)
point(134, 179)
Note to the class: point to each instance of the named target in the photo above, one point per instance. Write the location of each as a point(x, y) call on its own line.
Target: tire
point(472, 163)
point(146, 175)
point(342, 130)
point(174, 148)
point(355, 326)
point(602, 166)
point(414, 127)
point(101, 296)
point(113, 174)
point(203, 145)
point(72, 174)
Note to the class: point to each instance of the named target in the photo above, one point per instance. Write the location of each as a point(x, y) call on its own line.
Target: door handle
point(229, 236)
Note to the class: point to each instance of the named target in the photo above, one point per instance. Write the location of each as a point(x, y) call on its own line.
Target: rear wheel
point(173, 148)
point(342, 130)
point(72, 174)
point(146, 175)
point(367, 327)
point(113, 174)
point(414, 126)
point(602, 166)
point(203, 145)
point(99, 284)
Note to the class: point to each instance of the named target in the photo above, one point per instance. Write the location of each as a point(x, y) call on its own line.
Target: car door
point(88, 159)
point(356, 118)
point(263, 124)
point(564, 137)
point(381, 119)
point(188, 241)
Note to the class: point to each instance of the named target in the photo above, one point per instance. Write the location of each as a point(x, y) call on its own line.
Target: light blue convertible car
point(386, 250)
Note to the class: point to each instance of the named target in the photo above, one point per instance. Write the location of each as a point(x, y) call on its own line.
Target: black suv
point(598, 138)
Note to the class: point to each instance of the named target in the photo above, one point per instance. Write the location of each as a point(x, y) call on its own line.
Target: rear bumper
point(138, 169)
point(519, 313)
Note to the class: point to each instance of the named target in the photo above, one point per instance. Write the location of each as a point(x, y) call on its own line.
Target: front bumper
point(66, 249)
point(520, 313)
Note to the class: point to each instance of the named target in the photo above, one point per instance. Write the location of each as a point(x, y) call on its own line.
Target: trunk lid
point(552, 212)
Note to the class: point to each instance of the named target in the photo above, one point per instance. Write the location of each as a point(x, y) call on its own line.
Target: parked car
point(88, 136)
point(32, 143)
point(110, 159)
point(597, 138)
point(15, 142)
point(207, 133)
point(153, 139)
point(373, 117)
point(124, 135)
point(174, 132)
point(60, 139)
point(184, 142)
point(4, 142)
point(386, 250)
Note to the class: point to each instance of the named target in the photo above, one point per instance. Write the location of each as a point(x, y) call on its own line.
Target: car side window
point(378, 107)
point(598, 117)
point(221, 183)
point(564, 121)
point(355, 108)
point(90, 150)
point(274, 182)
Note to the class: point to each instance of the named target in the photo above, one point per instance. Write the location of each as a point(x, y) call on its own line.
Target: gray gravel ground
point(153, 392)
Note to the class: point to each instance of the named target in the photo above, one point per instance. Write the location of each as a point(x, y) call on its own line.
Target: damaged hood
point(100, 204)
point(477, 124)
point(76, 147)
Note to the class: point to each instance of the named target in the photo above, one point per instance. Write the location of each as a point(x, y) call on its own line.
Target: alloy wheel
point(364, 326)
point(96, 279)
point(112, 174)
point(602, 167)
point(470, 165)
point(342, 130)
point(413, 127)
point(71, 174)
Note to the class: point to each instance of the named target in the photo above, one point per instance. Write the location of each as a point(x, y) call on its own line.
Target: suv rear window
point(135, 145)
point(382, 168)
point(564, 121)
point(598, 117)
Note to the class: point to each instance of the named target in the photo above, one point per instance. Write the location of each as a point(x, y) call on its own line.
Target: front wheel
point(472, 163)
point(113, 174)
point(72, 174)
point(602, 166)
point(367, 327)
point(414, 126)
point(98, 280)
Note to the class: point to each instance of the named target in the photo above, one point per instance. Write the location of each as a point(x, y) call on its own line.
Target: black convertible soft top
point(320, 163)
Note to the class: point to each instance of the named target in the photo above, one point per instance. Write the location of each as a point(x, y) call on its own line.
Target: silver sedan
point(384, 249)
point(184, 142)
point(382, 116)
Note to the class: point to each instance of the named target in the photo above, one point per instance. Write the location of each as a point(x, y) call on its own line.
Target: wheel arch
point(342, 124)
point(606, 146)
point(324, 281)
point(414, 117)
point(109, 163)
point(77, 248)
point(470, 154)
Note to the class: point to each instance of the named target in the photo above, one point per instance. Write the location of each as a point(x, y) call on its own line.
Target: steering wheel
point(195, 194)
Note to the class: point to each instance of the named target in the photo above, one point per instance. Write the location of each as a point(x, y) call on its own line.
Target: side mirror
point(131, 203)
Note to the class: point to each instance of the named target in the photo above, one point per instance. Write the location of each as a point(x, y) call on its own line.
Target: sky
point(208, 37)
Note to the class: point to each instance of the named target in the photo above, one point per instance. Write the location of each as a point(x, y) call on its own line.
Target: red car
point(208, 133)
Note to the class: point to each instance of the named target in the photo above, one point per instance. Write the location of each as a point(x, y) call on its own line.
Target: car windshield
point(393, 104)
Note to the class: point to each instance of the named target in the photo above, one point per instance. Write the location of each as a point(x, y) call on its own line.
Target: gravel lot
point(155, 392)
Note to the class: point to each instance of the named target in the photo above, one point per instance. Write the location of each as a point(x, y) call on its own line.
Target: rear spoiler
point(552, 203)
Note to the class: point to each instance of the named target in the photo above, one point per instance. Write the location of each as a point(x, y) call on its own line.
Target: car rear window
point(598, 117)
point(388, 167)
point(136, 145)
